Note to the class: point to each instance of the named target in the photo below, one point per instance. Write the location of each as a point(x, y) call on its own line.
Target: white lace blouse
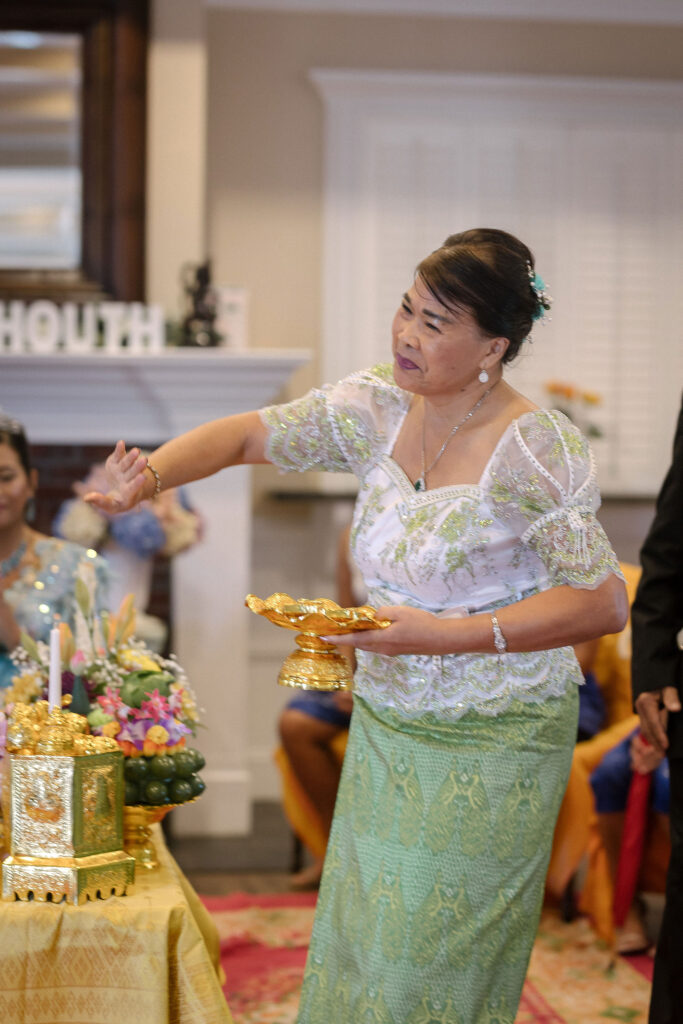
point(527, 525)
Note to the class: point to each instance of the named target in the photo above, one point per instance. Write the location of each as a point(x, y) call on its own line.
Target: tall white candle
point(54, 686)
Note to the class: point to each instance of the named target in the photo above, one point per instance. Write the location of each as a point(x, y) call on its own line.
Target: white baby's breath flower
point(182, 529)
point(82, 524)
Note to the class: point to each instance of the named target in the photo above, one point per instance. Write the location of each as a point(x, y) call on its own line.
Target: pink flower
point(154, 708)
point(111, 703)
point(77, 662)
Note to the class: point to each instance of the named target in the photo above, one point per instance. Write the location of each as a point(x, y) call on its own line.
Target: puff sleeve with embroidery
point(543, 484)
point(341, 427)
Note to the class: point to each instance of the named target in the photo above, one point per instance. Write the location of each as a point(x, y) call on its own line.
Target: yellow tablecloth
point(151, 957)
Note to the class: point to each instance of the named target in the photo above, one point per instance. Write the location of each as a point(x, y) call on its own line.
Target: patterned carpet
point(572, 977)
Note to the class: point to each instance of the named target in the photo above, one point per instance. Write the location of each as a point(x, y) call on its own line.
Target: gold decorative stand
point(137, 831)
point(66, 814)
point(316, 664)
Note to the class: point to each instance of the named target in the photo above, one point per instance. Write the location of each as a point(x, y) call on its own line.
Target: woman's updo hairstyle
point(12, 433)
point(487, 272)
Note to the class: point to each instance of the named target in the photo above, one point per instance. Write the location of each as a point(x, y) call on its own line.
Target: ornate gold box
point(66, 827)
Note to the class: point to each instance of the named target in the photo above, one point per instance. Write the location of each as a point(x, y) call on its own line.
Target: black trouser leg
point(666, 1003)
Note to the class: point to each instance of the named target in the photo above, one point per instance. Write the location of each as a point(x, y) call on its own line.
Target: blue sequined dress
point(43, 595)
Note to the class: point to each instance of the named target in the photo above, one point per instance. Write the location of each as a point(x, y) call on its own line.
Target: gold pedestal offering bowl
point(316, 664)
point(137, 833)
point(138, 841)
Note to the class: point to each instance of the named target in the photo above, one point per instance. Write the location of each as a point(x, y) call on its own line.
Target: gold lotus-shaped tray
point(319, 615)
point(316, 664)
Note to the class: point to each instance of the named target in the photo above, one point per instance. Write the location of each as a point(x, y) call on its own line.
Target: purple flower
point(68, 682)
point(176, 730)
point(133, 732)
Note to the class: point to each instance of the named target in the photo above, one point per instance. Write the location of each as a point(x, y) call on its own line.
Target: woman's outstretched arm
point(232, 441)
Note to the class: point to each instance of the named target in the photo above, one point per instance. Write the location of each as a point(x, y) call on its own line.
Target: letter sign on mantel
point(43, 327)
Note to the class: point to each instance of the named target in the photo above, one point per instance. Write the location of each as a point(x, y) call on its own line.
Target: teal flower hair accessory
point(544, 301)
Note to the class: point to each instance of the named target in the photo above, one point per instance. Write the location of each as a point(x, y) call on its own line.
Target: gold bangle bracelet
point(157, 480)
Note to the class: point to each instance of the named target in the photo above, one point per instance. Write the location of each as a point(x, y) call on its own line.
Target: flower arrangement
point(135, 696)
point(165, 526)
point(577, 404)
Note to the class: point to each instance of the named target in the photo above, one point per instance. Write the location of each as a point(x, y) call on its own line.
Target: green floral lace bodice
point(526, 525)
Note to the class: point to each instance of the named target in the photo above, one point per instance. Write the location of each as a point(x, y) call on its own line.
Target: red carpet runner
point(572, 977)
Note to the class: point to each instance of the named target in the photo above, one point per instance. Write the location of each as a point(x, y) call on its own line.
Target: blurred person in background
point(37, 572)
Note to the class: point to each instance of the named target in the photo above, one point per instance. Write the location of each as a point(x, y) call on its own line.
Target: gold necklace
point(421, 482)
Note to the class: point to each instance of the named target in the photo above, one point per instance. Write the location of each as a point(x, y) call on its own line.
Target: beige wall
point(265, 129)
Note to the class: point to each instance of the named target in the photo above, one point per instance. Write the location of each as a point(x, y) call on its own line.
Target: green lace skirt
point(435, 868)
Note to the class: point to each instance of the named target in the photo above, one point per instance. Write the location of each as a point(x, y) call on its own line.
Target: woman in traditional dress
point(476, 535)
point(37, 572)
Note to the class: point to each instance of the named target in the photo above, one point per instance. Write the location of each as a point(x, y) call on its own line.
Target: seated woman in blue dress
point(36, 571)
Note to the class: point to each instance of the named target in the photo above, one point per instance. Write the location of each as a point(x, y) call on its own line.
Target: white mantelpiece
point(66, 398)
point(96, 399)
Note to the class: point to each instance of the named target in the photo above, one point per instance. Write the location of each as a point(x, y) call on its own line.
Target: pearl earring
point(484, 377)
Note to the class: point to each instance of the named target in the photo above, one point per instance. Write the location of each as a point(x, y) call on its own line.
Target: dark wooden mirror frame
point(113, 124)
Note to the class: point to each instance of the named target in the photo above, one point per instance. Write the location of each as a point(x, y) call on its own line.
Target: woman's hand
point(412, 631)
point(644, 757)
point(125, 477)
point(653, 707)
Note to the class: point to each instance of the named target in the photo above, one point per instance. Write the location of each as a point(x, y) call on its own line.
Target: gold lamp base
point(317, 664)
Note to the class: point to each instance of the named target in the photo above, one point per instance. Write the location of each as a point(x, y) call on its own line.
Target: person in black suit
point(657, 681)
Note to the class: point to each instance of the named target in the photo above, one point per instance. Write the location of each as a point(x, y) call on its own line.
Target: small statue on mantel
point(198, 328)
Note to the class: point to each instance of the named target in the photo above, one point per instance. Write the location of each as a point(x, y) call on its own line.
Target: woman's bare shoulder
point(511, 407)
point(517, 404)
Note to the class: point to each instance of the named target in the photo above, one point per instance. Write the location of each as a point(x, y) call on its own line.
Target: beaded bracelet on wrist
point(157, 480)
point(499, 640)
